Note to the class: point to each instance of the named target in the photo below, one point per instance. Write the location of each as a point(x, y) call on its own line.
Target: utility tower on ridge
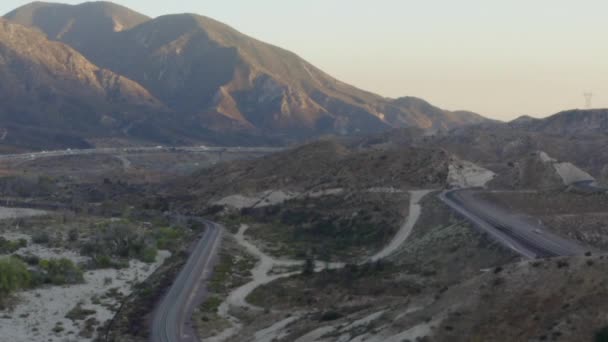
point(588, 99)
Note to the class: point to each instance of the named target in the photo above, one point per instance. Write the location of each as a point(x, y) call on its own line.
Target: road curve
point(589, 186)
point(172, 318)
point(523, 236)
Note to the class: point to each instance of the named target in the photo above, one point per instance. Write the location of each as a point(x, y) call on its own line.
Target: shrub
point(148, 255)
point(168, 238)
point(61, 272)
point(78, 313)
point(308, 268)
point(41, 238)
point(13, 276)
point(30, 259)
point(8, 247)
point(73, 235)
point(119, 241)
point(330, 316)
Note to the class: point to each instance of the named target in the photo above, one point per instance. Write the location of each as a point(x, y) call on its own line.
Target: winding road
point(523, 236)
point(172, 318)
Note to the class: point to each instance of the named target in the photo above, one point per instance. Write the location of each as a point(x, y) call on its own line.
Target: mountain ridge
point(215, 78)
point(51, 86)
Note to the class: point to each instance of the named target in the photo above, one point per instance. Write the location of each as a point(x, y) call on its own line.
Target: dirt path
point(262, 271)
point(261, 275)
point(406, 229)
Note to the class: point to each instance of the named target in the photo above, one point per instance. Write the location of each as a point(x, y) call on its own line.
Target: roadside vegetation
point(332, 289)
point(232, 270)
point(335, 227)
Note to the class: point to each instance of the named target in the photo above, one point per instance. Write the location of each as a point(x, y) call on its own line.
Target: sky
point(501, 59)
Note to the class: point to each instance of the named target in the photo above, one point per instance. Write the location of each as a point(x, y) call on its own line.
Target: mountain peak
point(60, 21)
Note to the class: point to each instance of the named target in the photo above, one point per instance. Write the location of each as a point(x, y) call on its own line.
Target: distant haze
point(500, 59)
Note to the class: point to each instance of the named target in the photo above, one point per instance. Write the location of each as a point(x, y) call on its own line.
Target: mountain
point(49, 87)
point(215, 78)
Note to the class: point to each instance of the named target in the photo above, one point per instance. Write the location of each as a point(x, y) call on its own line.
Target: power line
point(588, 100)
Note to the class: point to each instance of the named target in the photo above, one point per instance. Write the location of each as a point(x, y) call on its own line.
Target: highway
point(172, 318)
point(524, 236)
point(146, 149)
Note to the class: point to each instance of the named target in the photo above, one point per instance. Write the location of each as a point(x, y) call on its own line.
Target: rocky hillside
point(88, 28)
point(526, 153)
point(215, 78)
point(49, 87)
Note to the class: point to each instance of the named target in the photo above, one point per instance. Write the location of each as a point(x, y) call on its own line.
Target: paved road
point(172, 319)
point(522, 235)
point(589, 186)
point(127, 150)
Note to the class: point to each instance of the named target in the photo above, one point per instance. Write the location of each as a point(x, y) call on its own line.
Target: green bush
point(148, 255)
point(13, 276)
point(61, 272)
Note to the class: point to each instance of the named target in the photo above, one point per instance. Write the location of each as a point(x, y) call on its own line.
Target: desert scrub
point(41, 238)
point(13, 276)
point(8, 247)
point(113, 245)
point(168, 238)
point(331, 227)
point(78, 313)
point(58, 272)
point(232, 270)
point(211, 304)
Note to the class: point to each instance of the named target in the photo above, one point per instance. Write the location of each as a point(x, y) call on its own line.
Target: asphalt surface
point(127, 150)
point(589, 186)
point(524, 236)
point(172, 319)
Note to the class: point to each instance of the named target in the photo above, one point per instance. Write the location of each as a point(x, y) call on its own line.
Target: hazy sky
point(499, 58)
